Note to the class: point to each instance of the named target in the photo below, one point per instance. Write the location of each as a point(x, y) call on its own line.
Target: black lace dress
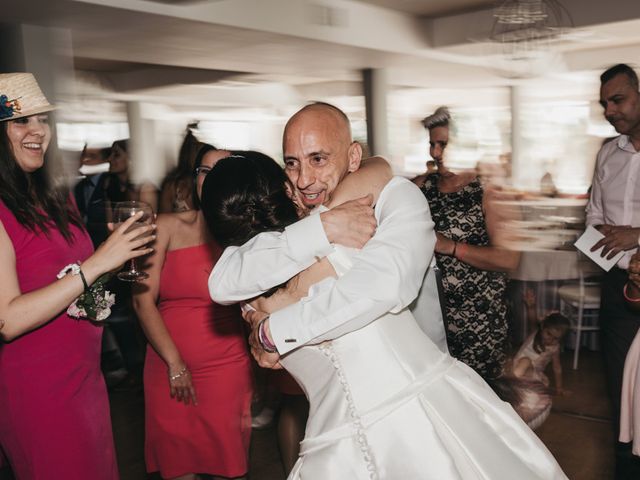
point(475, 303)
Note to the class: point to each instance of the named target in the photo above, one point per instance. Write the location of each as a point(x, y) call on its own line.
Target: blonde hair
point(440, 118)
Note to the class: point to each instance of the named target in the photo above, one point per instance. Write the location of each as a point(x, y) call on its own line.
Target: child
point(541, 347)
point(524, 385)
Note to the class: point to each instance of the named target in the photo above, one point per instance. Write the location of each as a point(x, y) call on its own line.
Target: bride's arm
point(374, 173)
point(296, 288)
point(370, 178)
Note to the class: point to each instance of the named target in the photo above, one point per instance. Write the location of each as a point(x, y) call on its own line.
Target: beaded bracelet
point(265, 343)
point(626, 295)
point(178, 375)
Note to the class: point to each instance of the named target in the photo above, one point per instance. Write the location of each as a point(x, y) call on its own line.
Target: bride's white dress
point(386, 403)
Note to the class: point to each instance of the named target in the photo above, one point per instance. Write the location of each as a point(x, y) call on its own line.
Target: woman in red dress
point(55, 419)
point(197, 376)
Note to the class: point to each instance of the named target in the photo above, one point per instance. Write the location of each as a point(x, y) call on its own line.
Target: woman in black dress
point(473, 268)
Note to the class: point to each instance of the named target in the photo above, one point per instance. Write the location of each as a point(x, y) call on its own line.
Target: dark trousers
point(618, 326)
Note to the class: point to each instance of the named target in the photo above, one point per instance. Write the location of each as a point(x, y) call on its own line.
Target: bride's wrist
point(264, 336)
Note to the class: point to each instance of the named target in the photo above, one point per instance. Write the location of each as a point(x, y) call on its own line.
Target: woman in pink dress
point(197, 376)
point(55, 421)
point(630, 400)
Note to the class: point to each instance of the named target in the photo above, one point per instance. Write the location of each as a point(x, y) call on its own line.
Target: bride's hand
point(266, 359)
point(253, 317)
point(263, 358)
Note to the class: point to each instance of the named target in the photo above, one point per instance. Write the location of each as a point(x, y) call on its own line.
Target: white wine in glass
point(122, 211)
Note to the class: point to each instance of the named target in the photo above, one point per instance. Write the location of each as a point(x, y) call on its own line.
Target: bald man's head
point(319, 151)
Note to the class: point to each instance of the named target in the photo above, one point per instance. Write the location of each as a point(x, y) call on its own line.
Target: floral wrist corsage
point(95, 302)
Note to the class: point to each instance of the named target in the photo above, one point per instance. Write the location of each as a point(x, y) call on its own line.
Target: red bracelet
point(461, 251)
point(626, 295)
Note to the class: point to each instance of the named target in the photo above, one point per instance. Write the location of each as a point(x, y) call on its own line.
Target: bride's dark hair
point(244, 195)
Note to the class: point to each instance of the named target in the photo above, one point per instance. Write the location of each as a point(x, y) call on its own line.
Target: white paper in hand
point(587, 240)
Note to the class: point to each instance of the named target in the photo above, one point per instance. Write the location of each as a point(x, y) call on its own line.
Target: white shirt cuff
point(284, 329)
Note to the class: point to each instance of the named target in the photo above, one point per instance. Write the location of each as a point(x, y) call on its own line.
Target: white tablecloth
point(553, 265)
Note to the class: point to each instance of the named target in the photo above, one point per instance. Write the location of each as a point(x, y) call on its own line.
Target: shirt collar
point(625, 144)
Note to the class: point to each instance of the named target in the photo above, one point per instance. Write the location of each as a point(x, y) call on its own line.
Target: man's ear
point(355, 156)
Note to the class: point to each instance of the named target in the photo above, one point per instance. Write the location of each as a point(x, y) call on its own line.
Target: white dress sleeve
point(267, 260)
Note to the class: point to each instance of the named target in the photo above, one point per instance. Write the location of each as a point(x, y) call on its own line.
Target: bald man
point(388, 273)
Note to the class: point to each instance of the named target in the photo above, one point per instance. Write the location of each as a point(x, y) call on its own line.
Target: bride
point(385, 402)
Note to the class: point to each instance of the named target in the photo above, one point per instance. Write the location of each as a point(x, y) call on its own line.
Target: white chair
point(581, 301)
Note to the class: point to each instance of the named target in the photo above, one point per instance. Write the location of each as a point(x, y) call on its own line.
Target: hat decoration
point(20, 96)
point(8, 107)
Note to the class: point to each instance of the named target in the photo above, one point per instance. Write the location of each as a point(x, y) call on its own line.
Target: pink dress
point(630, 400)
point(54, 419)
point(213, 436)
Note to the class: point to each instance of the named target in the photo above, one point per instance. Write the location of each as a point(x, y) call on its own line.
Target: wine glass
point(122, 211)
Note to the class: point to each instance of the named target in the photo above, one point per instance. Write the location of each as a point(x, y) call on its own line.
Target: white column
point(375, 96)
point(516, 136)
point(144, 166)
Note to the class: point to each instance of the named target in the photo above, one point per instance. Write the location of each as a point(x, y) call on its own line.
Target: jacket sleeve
point(385, 277)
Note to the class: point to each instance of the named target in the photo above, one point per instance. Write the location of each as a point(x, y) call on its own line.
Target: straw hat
point(20, 96)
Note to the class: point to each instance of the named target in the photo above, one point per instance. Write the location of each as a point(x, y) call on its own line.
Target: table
point(540, 266)
point(544, 272)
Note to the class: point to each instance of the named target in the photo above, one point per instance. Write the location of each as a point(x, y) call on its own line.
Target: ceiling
point(431, 8)
point(219, 53)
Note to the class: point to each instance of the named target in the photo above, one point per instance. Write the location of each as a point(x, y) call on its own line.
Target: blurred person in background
point(427, 308)
point(438, 127)
point(525, 384)
point(95, 201)
point(126, 330)
point(197, 375)
point(474, 269)
point(89, 192)
point(614, 209)
point(55, 421)
point(120, 180)
point(175, 193)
